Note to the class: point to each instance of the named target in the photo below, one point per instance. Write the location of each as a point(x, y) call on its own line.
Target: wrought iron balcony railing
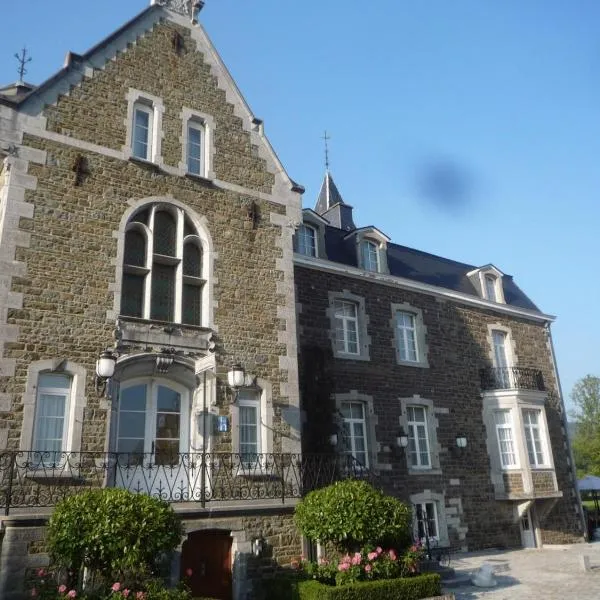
point(41, 479)
point(508, 378)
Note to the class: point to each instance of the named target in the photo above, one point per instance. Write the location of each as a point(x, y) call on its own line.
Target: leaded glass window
point(192, 260)
point(165, 232)
point(163, 292)
point(135, 248)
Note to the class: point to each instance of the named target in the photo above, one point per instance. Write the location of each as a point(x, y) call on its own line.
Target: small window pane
point(490, 288)
point(54, 380)
point(133, 398)
point(135, 248)
point(168, 400)
point(163, 292)
point(192, 304)
point(141, 134)
point(132, 295)
point(165, 232)
point(192, 260)
point(194, 150)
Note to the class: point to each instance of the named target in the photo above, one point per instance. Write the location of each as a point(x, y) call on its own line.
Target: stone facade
point(458, 346)
point(68, 189)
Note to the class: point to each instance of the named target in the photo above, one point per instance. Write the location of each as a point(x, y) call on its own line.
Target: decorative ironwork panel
point(132, 295)
point(192, 304)
point(506, 378)
point(192, 260)
point(135, 249)
point(165, 231)
point(163, 292)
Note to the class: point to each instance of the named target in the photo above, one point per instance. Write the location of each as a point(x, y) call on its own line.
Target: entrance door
point(527, 530)
point(152, 433)
point(208, 555)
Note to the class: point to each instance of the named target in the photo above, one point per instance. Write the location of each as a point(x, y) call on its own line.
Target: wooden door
point(208, 555)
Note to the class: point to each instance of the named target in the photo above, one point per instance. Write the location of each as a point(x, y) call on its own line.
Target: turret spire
point(23, 60)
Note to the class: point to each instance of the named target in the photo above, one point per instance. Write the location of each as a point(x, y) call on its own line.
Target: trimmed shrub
point(409, 588)
point(115, 534)
point(351, 514)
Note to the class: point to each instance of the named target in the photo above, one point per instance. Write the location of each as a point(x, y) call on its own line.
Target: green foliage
point(351, 514)
point(586, 441)
point(114, 533)
point(410, 588)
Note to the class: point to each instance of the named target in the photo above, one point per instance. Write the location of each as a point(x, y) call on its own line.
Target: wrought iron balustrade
point(507, 378)
point(41, 479)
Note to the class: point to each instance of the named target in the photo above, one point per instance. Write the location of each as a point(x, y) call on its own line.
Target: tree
point(586, 414)
point(351, 514)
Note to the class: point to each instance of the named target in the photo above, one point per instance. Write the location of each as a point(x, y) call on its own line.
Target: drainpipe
point(564, 424)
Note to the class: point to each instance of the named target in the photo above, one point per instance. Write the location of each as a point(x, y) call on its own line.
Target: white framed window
point(346, 326)
point(505, 436)
point(490, 287)
point(370, 255)
point(51, 412)
point(503, 373)
point(142, 131)
point(196, 148)
point(533, 437)
point(406, 329)
point(418, 439)
point(306, 240)
point(249, 427)
point(163, 267)
point(427, 524)
point(354, 428)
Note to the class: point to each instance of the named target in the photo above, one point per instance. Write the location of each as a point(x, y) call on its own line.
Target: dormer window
point(370, 255)
point(487, 281)
point(306, 240)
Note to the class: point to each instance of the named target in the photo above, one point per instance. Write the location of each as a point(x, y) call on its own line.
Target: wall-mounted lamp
point(236, 378)
point(259, 545)
point(333, 439)
point(105, 369)
point(402, 440)
point(461, 441)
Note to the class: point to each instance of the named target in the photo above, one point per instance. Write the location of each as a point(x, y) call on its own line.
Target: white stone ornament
point(183, 7)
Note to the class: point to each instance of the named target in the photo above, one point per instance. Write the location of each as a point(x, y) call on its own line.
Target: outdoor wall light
point(105, 369)
point(402, 440)
point(333, 439)
point(236, 378)
point(461, 441)
point(259, 545)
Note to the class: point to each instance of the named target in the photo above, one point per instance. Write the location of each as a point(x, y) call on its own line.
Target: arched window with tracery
point(163, 276)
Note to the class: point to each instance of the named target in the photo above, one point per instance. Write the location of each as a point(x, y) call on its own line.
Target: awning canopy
point(589, 483)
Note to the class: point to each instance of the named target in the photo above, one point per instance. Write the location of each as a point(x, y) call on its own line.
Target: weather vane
point(23, 60)
point(326, 138)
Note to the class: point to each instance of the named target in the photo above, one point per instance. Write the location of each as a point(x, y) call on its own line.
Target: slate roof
point(422, 267)
point(328, 196)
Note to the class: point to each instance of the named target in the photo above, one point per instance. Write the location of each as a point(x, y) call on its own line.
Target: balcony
point(511, 378)
point(41, 479)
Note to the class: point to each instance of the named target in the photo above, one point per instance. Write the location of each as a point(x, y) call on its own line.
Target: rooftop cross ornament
point(326, 138)
point(23, 60)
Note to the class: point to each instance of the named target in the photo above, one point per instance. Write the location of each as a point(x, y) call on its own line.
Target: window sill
point(410, 363)
point(200, 179)
point(413, 471)
point(345, 356)
point(143, 162)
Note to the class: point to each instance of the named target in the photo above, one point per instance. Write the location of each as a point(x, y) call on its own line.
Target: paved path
point(550, 574)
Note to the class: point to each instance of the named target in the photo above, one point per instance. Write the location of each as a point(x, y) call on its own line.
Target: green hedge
point(408, 588)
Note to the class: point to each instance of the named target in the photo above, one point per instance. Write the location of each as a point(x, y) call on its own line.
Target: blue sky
point(468, 129)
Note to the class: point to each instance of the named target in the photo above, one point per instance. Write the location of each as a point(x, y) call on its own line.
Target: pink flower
point(140, 596)
point(346, 558)
point(368, 568)
point(379, 549)
point(125, 593)
point(72, 594)
point(356, 558)
point(343, 566)
point(372, 555)
point(188, 572)
point(116, 587)
point(34, 592)
point(392, 555)
point(295, 564)
point(62, 589)
point(42, 573)
point(323, 561)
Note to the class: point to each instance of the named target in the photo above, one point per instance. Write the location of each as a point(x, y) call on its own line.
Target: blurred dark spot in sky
point(445, 185)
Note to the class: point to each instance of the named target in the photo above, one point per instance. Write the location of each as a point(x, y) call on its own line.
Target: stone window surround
point(440, 503)
point(370, 234)
point(511, 346)
point(207, 124)
point(371, 420)
point(134, 97)
point(364, 340)
point(72, 435)
point(516, 401)
point(312, 220)
point(432, 427)
point(208, 254)
point(478, 276)
point(420, 334)
point(264, 391)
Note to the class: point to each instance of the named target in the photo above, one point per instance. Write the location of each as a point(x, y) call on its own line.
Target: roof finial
point(23, 60)
point(326, 138)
